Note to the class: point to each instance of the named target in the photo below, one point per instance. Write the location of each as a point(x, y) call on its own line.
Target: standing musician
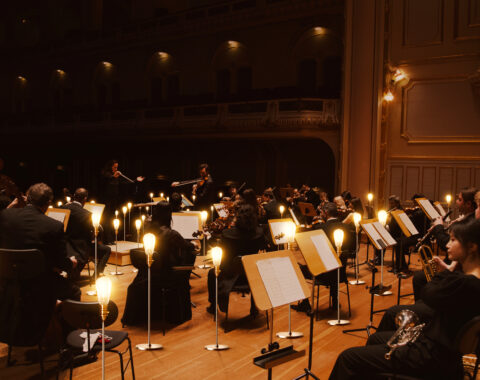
point(450, 295)
point(204, 190)
point(111, 179)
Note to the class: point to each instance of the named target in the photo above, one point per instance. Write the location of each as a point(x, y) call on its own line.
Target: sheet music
point(440, 209)
point(278, 228)
point(372, 232)
point(384, 234)
point(60, 216)
point(186, 202)
point(280, 280)
point(408, 223)
point(221, 210)
point(185, 224)
point(325, 252)
point(297, 223)
point(429, 209)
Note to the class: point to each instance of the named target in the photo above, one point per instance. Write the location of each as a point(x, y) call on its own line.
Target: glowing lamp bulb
point(161, 195)
point(204, 216)
point(382, 217)
point(143, 218)
point(282, 209)
point(151, 195)
point(448, 198)
point(129, 205)
point(357, 218)
point(217, 256)
point(220, 194)
point(116, 213)
point(96, 219)
point(124, 210)
point(290, 232)
point(59, 203)
point(92, 202)
point(104, 289)
point(68, 199)
point(116, 224)
point(388, 97)
point(370, 197)
point(193, 197)
point(138, 224)
point(338, 238)
point(149, 243)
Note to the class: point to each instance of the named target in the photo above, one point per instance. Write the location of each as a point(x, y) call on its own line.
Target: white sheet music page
point(324, 251)
point(60, 216)
point(185, 225)
point(372, 232)
point(431, 211)
point(221, 209)
point(280, 280)
point(384, 233)
point(440, 209)
point(294, 217)
point(408, 223)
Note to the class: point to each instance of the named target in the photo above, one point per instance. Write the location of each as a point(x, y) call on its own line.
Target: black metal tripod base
point(366, 329)
point(306, 375)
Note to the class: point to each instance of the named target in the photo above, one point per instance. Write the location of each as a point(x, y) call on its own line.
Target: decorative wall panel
point(428, 181)
point(412, 184)
point(467, 19)
point(422, 22)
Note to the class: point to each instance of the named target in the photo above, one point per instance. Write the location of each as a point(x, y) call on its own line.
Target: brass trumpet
point(428, 264)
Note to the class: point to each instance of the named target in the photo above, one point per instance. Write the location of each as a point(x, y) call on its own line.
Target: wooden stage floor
point(184, 356)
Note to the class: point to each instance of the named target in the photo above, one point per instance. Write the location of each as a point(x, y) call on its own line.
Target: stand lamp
point(124, 210)
point(96, 224)
point(104, 288)
point(338, 235)
point(129, 206)
point(217, 259)
point(382, 218)
point(149, 246)
point(116, 224)
point(281, 209)
point(138, 224)
point(356, 220)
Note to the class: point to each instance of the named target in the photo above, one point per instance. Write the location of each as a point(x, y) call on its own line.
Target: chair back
point(138, 258)
point(21, 264)
point(86, 315)
point(468, 338)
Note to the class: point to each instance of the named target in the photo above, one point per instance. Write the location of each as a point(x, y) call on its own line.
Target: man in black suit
point(205, 189)
point(80, 234)
point(30, 228)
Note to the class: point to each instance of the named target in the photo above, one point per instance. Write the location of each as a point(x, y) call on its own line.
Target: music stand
point(275, 280)
point(60, 214)
point(428, 208)
point(406, 225)
point(307, 209)
point(320, 257)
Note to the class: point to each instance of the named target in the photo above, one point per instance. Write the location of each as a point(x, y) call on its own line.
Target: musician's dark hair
point(417, 195)
point(80, 195)
point(395, 200)
point(467, 231)
point(204, 166)
point(246, 218)
point(357, 205)
point(176, 202)
point(250, 197)
point(330, 209)
point(108, 166)
point(346, 195)
point(39, 195)
point(468, 195)
point(161, 215)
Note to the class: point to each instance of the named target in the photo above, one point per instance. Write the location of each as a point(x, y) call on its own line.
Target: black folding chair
point(85, 316)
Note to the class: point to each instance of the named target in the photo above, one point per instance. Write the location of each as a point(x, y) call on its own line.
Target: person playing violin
point(204, 190)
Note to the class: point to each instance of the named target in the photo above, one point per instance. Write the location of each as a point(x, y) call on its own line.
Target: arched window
point(307, 77)
point(106, 85)
point(163, 79)
point(20, 94)
point(60, 90)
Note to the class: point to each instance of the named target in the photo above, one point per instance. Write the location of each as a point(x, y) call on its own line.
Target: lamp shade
point(357, 217)
point(217, 256)
point(204, 216)
point(382, 217)
point(338, 238)
point(138, 224)
point(149, 243)
point(104, 289)
point(96, 219)
point(116, 224)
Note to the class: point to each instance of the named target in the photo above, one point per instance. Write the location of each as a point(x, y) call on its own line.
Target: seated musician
point(332, 222)
point(176, 202)
point(270, 205)
point(466, 206)
point(30, 228)
point(80, 234)
point(244, 238)
point(450, 296)
point(171, 250)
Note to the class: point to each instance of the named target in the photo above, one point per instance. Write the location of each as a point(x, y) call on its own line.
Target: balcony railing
point(248, 116)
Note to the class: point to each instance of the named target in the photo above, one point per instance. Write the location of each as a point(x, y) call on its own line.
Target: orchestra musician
point(449, 295)
point(204, 190)
point(111, 197)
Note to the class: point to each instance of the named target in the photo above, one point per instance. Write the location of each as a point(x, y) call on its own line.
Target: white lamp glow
point(96, 219)
point(382, 217)
point(204, 216)
point(217, 253)
point(149, 243)
point(104, 289)
point(338, 238)
point(357, 217)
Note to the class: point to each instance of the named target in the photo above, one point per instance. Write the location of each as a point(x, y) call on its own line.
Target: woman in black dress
point(452, 295)
point(171, 249)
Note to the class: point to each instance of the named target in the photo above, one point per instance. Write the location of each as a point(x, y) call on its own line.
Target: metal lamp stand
point(103, 314)
point(216, 346)
point(116, 273)
point(338, 321)
point(382, 290)
point(94, 292)
point(149, 346)
point(357, 281)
